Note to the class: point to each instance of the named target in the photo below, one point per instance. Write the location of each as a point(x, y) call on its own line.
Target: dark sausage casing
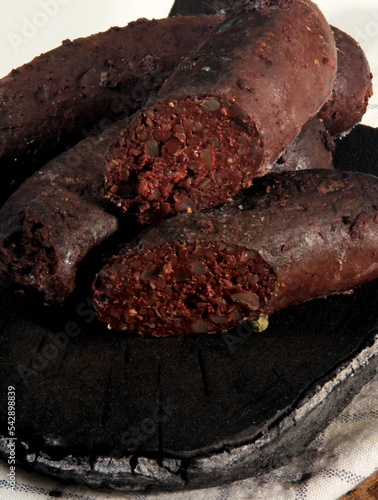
point(312, 148)
point(48, 218)
point(292, 237)
point(72, 91)
point(190, 7)
point(227, 112)
point(91, 81)
point(55, 217)
point(353, 87)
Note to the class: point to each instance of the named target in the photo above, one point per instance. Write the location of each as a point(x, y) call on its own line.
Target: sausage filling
point(213, 286)
point(29, 255)
point(181, 155)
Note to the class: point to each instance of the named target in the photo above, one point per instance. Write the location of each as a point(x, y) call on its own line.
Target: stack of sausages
point(226, 164)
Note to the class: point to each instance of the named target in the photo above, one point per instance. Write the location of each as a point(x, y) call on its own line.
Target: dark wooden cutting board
point(126, 412)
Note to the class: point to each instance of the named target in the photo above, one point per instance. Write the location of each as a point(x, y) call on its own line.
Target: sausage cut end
point(182, 154)
point(180, 288)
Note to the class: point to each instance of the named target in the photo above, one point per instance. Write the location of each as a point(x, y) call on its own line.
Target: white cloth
point(341, 457)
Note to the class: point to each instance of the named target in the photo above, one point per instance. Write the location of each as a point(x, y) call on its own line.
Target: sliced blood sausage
point(55, 217)
point(291, 237)
point(31, 223)
point(353, 86)
point(75, 90)
point(227, 112)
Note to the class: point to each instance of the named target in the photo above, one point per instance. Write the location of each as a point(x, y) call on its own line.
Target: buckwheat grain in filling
point(183, 154)
point(212, 285)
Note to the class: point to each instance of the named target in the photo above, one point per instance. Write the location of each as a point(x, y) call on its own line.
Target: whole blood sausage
point(291, 237)
point(75, 90)
point(227, 112)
